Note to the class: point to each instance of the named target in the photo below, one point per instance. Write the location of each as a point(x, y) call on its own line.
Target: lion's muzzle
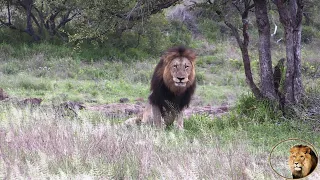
point(297, 167)
point(180, 81)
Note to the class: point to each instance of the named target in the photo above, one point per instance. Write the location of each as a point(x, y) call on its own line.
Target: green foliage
point(216, 60)
point(142, 41)
point(24, 51)
point(236, 63)
point(200, 77)
point(6, 51)
point(199, 124)
point(12, 67)
point(258, 110)
point(308, 34)
point(210, 29)
point(29, 84)
point(13, 37)
point(180, 35)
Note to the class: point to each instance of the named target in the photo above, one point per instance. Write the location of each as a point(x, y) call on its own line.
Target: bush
point(198, 124)
point(180, 35)
point(308, 34)
point(11, 67)
point(210, 29)
point(200, 77)
point(216, 60)
point(6, 51)
point(28, 84)
point(258, 110)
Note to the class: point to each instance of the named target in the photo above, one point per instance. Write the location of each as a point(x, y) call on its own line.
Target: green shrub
point(31, 85)
point(180, 35)
point(237, 64)
point(258, 110)
point(11, 67)
point(6, 50)
point(142, 76)
point(200, 77)
point(216, 60)
point(198, 124)
point(308, 34)
point(210, 29)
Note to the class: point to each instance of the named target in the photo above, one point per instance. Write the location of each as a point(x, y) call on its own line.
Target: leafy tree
point(290, 13)
point(91, 19)
point(38, 18)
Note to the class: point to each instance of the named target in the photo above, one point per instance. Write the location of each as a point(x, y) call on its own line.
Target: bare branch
point(66, 19)
point(9, 13)
point(133, 15)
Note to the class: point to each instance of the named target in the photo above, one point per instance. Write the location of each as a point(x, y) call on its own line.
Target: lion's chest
point(168, 101)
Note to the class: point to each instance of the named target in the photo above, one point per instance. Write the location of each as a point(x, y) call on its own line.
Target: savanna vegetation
point(97, 52)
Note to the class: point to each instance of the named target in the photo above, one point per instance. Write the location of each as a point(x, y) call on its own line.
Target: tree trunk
point(291, 18)
point(243, 44)
point(27, 4)
point(266, 74)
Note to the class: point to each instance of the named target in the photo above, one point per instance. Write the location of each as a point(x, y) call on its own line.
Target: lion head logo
point(302, 161)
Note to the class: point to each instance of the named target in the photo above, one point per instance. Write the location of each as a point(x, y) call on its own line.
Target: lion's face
point(300, 161)
point(180, 69)
point(179, 74)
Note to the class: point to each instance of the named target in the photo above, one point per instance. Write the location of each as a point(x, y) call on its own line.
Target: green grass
point(35, 72)
point(50, 142)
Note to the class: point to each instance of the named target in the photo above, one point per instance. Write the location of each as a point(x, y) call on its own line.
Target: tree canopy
point(43, 19)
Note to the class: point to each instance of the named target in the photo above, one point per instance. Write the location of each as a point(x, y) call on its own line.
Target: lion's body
point(172, 86)
point(302, 161)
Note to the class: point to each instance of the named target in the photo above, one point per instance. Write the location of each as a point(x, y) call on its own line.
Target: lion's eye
point(175, 66)
point(301, 156)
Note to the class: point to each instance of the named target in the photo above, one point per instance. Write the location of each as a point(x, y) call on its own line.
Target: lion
point(302, 161)
point(172, 86)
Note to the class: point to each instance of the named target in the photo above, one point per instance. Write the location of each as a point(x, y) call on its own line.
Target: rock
point(3, 95)
point(140, 99)
point(32, 101)
point(124, 100)
point(73, 105)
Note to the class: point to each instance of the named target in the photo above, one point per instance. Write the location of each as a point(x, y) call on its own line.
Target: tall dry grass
point(39, 143)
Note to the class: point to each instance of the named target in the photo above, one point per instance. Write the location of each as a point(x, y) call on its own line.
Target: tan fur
point(301, 161)
point(169, 72)
point(179, 68)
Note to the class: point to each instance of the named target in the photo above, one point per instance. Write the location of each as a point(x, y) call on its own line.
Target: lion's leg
point(157, 119)
point(152, 115)
point(133, 121)
point(180, 120)
point(169, 118)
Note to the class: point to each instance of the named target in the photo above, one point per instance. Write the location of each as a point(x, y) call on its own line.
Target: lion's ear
point(169, 56)
point(190, 54)
point(291, 151)
point(308, 150)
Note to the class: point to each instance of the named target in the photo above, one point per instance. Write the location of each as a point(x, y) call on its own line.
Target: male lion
point(302, 161)
point(172, 85)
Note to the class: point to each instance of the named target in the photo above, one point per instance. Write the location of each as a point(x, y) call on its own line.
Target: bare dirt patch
point(127, 109)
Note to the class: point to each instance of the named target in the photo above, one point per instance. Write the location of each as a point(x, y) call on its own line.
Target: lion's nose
point(180, 79)
point(296, 163)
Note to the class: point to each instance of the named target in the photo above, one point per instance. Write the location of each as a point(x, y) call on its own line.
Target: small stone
point(32, 101)
point(3, 95)
point(124, 100)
